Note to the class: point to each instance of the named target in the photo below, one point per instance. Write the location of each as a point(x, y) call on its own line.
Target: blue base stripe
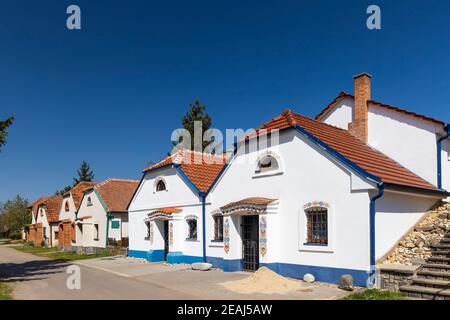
point(296, 271)
point(323, 274)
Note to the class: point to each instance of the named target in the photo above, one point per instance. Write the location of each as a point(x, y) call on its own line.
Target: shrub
point(43, 243)
point(15, 236)
point(29, 244)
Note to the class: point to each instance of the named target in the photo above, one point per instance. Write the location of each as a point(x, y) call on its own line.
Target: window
point(96, 231)
point(73, 233)
point(89, 201)
point(218, 228)
point(44, 232)
point(115, 224)
point(266, 164)
point(66, 206)
point(160, 186)
point(317, 231)
point(192, 225)
point(147, 224)
point(56, 235)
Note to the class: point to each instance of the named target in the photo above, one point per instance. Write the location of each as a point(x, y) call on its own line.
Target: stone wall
point(392, 277)
point(415, 247)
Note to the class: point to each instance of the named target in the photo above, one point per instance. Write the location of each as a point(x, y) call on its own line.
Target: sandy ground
point(34, 277)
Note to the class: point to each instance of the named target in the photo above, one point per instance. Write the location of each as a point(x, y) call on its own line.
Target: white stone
point(201, 266)
point(309, 278)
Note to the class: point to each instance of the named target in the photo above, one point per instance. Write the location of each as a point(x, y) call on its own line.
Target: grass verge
point(55, 254)
point(375, 294)
point(5, 292)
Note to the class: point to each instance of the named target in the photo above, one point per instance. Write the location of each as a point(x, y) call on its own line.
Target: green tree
point(196, 113)
point(84, 173)
point(4, 125)
point(14, 216)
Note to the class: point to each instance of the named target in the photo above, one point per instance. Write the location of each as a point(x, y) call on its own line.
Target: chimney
point(359, 126)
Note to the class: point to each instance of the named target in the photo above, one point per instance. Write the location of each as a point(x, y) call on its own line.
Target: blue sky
point(112, 93)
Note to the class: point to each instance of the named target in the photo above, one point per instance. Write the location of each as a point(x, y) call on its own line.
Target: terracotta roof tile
point(116, 193)
point(366, 157)
point(344, 95)
point(201, 168)
point(77, 191)
point(52, 207)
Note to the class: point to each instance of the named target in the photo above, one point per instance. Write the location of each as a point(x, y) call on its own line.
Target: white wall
point(98, 214)
point(42, 218)
point(395, 214)
point(341, 115)
point(407, 140)
point(146, 200)
point(308, 175)
point(63, 214)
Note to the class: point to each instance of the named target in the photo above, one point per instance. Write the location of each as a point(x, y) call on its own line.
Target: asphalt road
point(38, 278)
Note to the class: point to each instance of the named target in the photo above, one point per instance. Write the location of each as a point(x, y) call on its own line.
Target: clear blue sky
point(112, 93)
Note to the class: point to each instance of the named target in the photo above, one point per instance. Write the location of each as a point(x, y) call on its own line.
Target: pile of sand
point(265, 281)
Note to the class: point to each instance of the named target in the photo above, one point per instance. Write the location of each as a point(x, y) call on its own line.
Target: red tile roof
point(344, 95)
point(201, 168)
point(116, 193)
point(35, 205)
point(358, 152)
point(52, 207)
point(77, 192)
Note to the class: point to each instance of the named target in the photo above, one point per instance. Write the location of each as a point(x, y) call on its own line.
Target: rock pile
point(416, 246)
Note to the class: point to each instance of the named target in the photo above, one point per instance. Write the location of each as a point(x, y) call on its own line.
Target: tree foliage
point(196, 113)
point(4, 125)
point(14, 216)
point(84, 173)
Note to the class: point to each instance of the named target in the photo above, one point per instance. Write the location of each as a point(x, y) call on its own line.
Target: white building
point(418, 142)
point(166, 211)
point(45, 218)
point(102, 216)
point(68, 212)
point(308, 197)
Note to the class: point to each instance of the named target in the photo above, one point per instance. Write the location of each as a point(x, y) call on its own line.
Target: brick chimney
point(359, 126)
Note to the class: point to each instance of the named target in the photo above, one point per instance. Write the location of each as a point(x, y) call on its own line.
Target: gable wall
point(341, 115)
point(98, 214)
point(72, 209)
point(407, 140)
point(307, 176)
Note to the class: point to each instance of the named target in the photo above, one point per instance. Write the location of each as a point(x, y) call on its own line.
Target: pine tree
point(84, 173)
point(196, 113)
point(4, 125)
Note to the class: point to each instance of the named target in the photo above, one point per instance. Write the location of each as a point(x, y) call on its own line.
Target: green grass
point(375, 294)
point(55, 254)
point(71, 256)
point(36, 250)
point(5, 292)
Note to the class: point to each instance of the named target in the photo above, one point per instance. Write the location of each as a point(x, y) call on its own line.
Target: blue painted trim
point(215, 261)
point(150, 255)
point(137, 254)
point(439, 156)
point(323, 274)
point(179, 257)
point(372, 228)
point(337, 155)
point(232, 265)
